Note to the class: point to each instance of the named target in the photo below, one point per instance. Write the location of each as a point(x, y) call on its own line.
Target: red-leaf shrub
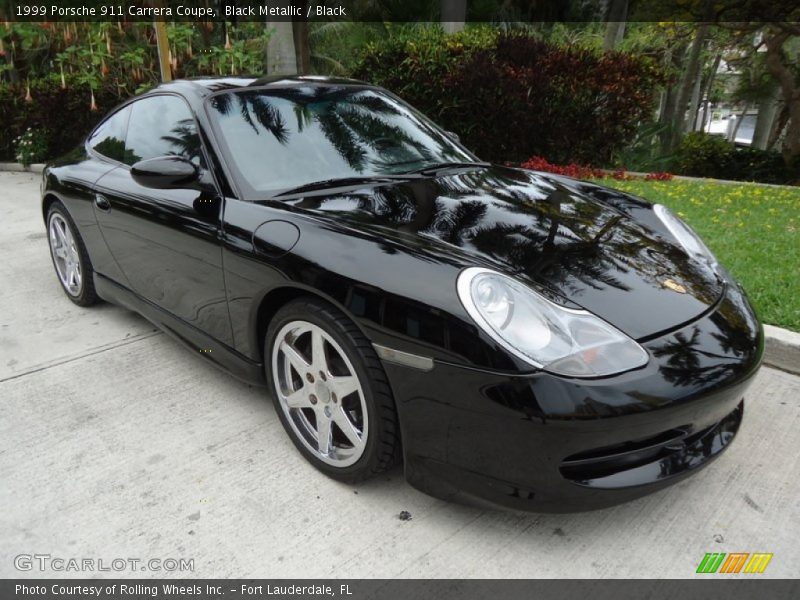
point(539, 163)
point(514, 96)
point(621, 175)
point(660, 176)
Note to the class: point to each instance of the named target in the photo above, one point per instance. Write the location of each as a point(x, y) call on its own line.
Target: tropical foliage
point(49, 70)
point(124, 56)
point(603, 94)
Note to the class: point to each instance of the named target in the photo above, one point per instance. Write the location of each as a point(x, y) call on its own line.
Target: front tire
point(70, 258)
point(330, 391)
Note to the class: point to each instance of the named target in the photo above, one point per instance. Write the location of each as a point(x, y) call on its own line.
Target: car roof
point(200, 87)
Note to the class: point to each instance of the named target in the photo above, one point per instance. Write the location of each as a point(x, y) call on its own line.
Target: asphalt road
point(115, 442)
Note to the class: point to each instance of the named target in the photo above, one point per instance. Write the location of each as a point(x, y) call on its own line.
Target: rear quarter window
point(162, 126)
point(109, 138)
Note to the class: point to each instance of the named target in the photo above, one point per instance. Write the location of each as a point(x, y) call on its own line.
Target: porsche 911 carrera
point(512, 338)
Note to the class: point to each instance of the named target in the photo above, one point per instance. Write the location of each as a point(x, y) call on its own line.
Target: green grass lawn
point(753, 230)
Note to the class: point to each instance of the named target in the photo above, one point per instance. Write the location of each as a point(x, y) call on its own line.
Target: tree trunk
point(453, 15)
point(694, 103)
point(778, 126)
point(281, 59)
point(791, 141)
point(767, 108)
point(673, 59)
point(662, 101)
point(739, 122)
point(163, 50)
point(666, 119)
point(302, 48)
point(615, 24)
point(712, 76)
point(685, 88)
point(776, 63)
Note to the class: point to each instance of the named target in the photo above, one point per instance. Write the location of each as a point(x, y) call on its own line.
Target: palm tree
point(281, 58)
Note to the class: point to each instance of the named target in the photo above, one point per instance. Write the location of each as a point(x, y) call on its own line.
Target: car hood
point(542, 230)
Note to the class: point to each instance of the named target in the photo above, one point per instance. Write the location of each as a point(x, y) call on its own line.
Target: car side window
point(162, 126)
point(109, 138)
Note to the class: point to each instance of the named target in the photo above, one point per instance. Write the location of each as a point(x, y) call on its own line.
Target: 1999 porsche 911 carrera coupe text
point(513, 337)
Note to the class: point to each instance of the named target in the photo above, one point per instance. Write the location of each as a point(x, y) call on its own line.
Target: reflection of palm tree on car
point(683, 365)
point(184, 139)
point(357, 125)
point(254, 105)
point(550, 250)
point(360, 127)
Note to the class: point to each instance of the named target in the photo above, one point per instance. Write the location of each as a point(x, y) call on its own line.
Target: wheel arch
point(48, 200)
point(272, 301)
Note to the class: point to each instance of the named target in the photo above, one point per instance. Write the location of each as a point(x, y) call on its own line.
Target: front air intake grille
point(609, 460)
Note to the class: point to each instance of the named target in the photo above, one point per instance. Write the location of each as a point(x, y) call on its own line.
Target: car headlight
point(560, 340)
point(685, 235)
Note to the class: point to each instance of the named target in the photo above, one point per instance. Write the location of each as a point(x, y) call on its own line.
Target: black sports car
point(512, 337)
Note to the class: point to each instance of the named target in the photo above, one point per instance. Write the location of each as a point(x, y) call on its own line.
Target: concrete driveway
point(115, 442)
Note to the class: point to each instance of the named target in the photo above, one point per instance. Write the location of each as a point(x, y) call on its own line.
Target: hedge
point(511, 96)
point(704, 155)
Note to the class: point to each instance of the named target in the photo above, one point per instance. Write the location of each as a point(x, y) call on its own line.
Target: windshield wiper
point(444, 166)
point(326, 184)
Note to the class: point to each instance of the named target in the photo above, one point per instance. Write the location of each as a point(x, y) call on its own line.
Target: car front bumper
point(540, 442)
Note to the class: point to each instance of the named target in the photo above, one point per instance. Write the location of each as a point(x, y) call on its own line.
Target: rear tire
point(70, 258)
point(330, 391)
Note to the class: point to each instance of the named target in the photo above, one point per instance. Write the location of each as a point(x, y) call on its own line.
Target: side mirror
point(453, 136)
point(166, 172)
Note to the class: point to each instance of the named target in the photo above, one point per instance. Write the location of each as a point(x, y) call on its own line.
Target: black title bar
point(711, 588)
point(720, 11)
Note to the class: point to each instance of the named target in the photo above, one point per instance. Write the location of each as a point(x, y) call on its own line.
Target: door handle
point(102, 202)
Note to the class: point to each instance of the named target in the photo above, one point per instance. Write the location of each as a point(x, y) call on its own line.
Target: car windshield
point(291, 138)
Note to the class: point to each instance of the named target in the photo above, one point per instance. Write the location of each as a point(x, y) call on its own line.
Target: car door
point(167, 241)
point(76, 176)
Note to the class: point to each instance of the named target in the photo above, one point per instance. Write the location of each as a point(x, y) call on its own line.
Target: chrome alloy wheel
point(320, 393)
point(65, 254)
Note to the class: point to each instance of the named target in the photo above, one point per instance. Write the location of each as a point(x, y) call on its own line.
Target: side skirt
point(218, 354)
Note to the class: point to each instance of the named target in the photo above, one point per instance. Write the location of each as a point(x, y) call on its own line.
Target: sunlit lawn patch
point(754, 231)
